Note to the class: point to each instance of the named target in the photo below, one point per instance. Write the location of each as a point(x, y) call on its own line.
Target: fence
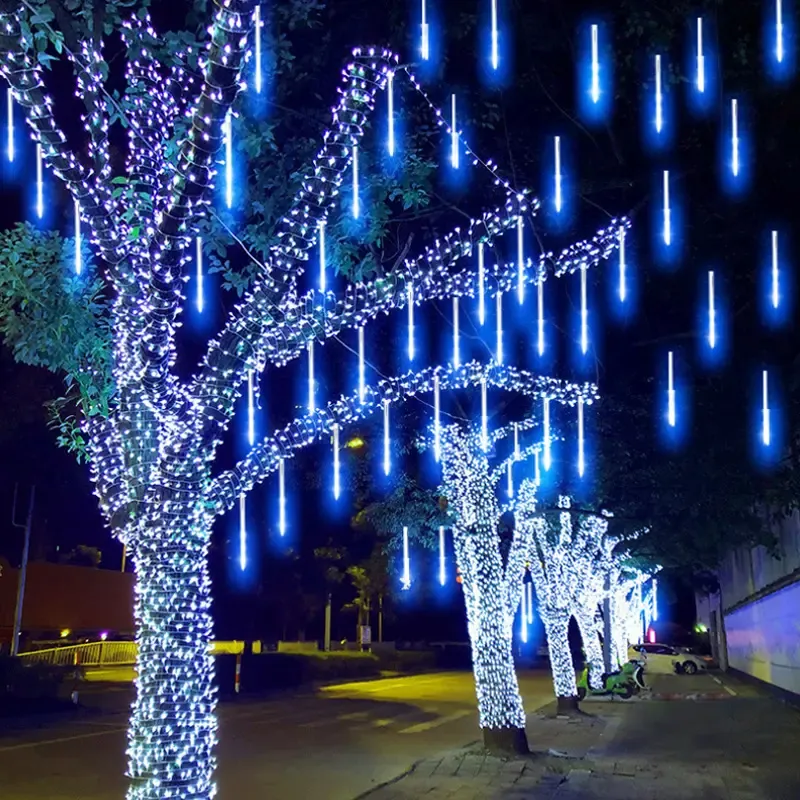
point(96, 654)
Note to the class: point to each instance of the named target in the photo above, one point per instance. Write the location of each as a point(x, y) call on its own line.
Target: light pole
point(23, 570)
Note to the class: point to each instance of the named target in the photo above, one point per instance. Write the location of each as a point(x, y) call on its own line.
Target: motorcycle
point(622, 683)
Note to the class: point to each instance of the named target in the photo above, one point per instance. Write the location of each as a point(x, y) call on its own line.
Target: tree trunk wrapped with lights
point(153, 442)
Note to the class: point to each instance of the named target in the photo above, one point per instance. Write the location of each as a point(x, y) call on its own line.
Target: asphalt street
point(335, 744)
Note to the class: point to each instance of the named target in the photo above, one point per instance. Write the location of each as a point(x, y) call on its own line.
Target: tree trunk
point(500, 710)
point(556, 627)
point(173, 725)
point(592, 647)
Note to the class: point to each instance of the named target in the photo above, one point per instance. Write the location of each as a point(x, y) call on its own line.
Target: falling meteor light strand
point(495, 56)
point(499, 315)
point(337, 486)
point(670, 390)
point(454, 149)
point(517, 451)
point(581, 454)
point(312, 400)
point(775, 271)
point(39, 182)
point(520, 259)
point(437, 421)
point(323, 283)
point(529, 593)
point(406, 561)
point(667, 211)
point(257, 26)
point(411, 348)
point(547, 455)
point(701, 59)
point(251, 409)
point(766, 432)
point(390, 102)
point(456, 335)
point(228, 137)
point(540, 317)
point(442, 570)
point(510, 471)
point(78, 254)
point(282, 497)
point(735, 137)
point(361, 365)
point(356, 198)
point(595, 87)
point(10, 114)
point(659, 97)
point(559, 199)
point(623, 278)
point(712, 312)
point(584, 314)
point(481, 286)
point(425, 46)
point(242, 533)
point(779, 51)
point(387, 454)
point(484, 417)
point(198, 264)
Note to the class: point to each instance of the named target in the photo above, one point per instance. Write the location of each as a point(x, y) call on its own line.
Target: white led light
point(540, 316)
point(701, 59)
point(659, 121)
point(390, 100)
point(312, 385)
point(437, 423)
point(257, 26)
point(766, 427)
point(406, 580)
point(735, 137)
point(495, 37)
point(39, 182)
point(517, 453)
point(78, 254)
point(456, 335)
point(546, 441)
point(529, 594)
point(228, 143)
point(361, 365)
point(337, 486)
point(670, 390)
point(581, 455)
point(667, 233)
point(10, 115)
point(779, 45)
point(387, 454)
point(199, 277)
point(584, 314)
point(282, 497)
point(454, 148)
point(510, 478)
point(775, 271)
point(520, 260)
point(499, 314)
point(484, 418)
point(356, 196)
point(481, 285)
point(251, 408)
point(425, 47)
point(242, 533)
point(712, 312)
point(623, 278)
point(322, 258)
point(410, 302)
point(559, 200)
point(595, 87)
point(442, 569)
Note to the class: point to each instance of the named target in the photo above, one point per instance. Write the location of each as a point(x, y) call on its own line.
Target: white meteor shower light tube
point(670, 389)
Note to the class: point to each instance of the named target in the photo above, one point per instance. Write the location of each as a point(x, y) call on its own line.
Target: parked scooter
point(622, 683)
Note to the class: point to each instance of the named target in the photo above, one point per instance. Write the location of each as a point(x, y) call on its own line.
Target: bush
point(408, 660)
point(29, 686)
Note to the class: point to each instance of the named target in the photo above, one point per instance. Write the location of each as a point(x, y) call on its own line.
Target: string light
point(437, 423)
point(735, 137)
point(456, 335)
point(257, 27)
point(659, 121)
point(361, 366)
point(581, 455)
point(775, 270)
point(595, 87)
point(312, 385)
point(442, 569)
point(558, 177)
point(387, 454)
point(410, 303)
point(198, 265)
point(251, 409)
point(390, 103)
point(484, 418)
point(766, 428)
point(322, 258)
point(406, 580)
point(282, 497)
point(499, 315)
point(779, 47)
point(425, 48)
point(228, 137)
point(701, 59)
point(546, 440)
point(242, 534)
point(454, 148)
point(670, 390)
point(10, 132)
point(78, 254)
point(39, 182)
point(667, 232)
point(337, 486)
point(495, 37)
point(584, 314)
point(356, 197)
point(712, 312)
point(520, 260)
point(481, 286)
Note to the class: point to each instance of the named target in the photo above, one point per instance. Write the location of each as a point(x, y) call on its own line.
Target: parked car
point(663, 659)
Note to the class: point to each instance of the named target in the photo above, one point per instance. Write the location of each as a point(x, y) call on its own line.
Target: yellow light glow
point(355, 443)
point(65, 632)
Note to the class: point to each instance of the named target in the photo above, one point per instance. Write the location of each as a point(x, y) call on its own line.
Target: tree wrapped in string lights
point(153, 440)
point(568, 562)
point(633, 606)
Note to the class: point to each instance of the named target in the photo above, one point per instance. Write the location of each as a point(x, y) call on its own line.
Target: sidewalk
point(741, 746)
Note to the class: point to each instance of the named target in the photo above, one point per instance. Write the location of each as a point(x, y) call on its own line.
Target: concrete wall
point(763, 638)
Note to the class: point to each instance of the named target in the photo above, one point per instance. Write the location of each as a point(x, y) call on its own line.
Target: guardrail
point(97, 654)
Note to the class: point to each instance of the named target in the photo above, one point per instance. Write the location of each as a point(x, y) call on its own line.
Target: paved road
point(333, 745)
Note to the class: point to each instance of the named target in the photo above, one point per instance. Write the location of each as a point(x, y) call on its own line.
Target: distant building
point(58, 597)
point(754, 619)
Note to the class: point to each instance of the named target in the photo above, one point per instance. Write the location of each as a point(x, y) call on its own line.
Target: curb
point(693, 696)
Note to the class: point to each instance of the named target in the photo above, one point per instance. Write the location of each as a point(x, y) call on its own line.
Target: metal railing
point(96, 654)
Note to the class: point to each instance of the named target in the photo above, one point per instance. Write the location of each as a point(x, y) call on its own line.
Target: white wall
point(763, 638)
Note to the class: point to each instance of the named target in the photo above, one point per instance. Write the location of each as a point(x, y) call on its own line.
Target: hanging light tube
point(454, 149)
point(282, 497)
point(559, 200)
point(425, 46)
point(323, 283)
point(406, 561)
point(623, 278)
point(540, 315)
point(655, 600)
point(712, 312)
point(671, 390)
point(523, 616)
point(228, 139)
point(584, 313)
point(775, 271)
point(200, 300)
point(484, 417)
point(537, 469)
point(39, 182)
point(312, 400)
point(257, 25)
point(735, 137)
point(779, 45)
point(701, 59)
point(437, 422)
point(529, 592)
point(78, 253)
point(595, 88)
point(387, 455)
point(361, 365)
point(546, 424)
point(581, 454)
point(411, 348)
point(517, 452)
point(356, 198)
point(242, 533)
point(456, 335)
point(442, 570)
point(495, 37)
point(766, 427)
point(251, 408)
point(520, 260)
point(667, 211)
point(337, 486)
point(659, 97)
point(390, 101)
point(481, 286)
point(510, 471)
point(10, 115)
point(499, 314)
